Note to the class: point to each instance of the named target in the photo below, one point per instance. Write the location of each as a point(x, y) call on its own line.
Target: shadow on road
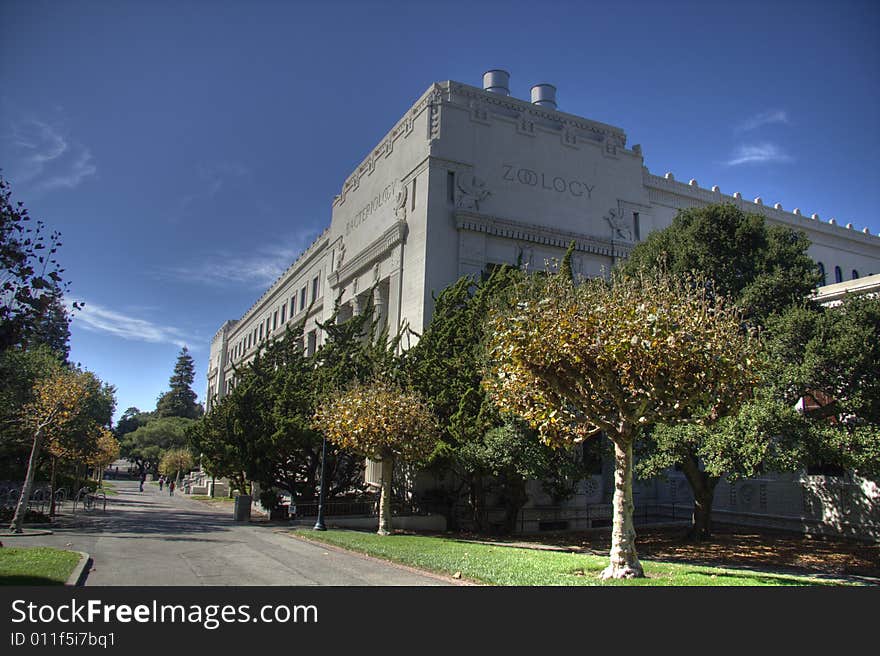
point(132, 516)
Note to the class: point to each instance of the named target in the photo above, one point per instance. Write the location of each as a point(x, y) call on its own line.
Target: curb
point(26, 533)
point(447, 578)
point(79, 570)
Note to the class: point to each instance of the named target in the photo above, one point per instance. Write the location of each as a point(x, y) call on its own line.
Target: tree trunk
point(21, 509)
point(52, 490)
point(516, 498)
point(703, 487)
point(478, 502)
point(624, 559)
point(385, 496)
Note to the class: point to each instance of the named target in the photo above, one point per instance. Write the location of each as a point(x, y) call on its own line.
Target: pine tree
point(180, 400)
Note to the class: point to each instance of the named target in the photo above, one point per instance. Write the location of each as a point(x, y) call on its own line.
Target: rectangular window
point(636, 226)
point(261, 330)
point(283, 313)
point(316, 287)
point(313, 342)
point(412, 204)
point(450, 186)
point(275, 320)
point(292, 305)
point(268, 325)
point(302, 298)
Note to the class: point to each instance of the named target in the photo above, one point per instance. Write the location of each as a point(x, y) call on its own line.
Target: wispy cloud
point(764, 118)
point(758, 154)
point(99, 319)
point(257, 269)
point(41, 154)
point(211, 179)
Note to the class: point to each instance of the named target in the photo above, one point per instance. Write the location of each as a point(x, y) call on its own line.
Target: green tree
point(445, 367)
point(764, 270)
point(131, 420)
point(826, 361)
point(512, 454)
point(262, 430)
point(180, 400)
point(574, 360)
point(31, 286)
point(220, 443)
point(146, 445)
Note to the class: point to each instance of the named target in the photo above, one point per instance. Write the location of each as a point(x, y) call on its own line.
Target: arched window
point(855, 274)
point(821, 273)
point(838, 274)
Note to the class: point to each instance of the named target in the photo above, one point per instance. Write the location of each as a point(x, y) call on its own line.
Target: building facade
point(472, 177)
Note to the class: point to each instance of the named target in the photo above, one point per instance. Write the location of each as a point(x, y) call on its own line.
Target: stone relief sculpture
point(340, 256)
point(525, 256)
point(619, 225)
point(400, 204)
point(472, 192)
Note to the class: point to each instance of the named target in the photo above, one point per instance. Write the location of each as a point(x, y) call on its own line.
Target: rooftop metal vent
point(544, 95)
point(497, 81)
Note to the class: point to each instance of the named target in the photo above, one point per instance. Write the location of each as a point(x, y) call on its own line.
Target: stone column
point(380, 303)
point(394, 302)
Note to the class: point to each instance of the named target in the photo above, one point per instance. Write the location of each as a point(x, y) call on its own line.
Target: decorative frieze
point(373, 253)
point(404, 127)
point(531, 113)
point(526, 232)
point(667, 191)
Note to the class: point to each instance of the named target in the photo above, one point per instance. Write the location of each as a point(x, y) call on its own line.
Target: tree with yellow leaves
point(60, 400)
point(106, 450)
point(383, 422)
point(577, 360)
point(174, 462)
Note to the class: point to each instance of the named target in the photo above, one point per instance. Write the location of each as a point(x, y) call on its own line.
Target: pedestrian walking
point(143, 479)
point(171, 489)
point(161, 481)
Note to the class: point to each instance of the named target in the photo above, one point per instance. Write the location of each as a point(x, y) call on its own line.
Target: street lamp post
point(319, 525)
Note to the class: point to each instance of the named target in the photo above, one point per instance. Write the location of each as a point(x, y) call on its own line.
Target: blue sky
point(189, 150)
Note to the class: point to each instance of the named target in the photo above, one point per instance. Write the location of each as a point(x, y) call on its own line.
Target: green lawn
point(497, 565)
point(109, 489)
point(36, 565)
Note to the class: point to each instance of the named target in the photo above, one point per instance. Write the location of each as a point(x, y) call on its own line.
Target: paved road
point(149, 538)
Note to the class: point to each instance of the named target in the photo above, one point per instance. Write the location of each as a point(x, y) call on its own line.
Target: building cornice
point(667, 191)
point(835, 292)
point(528, 109)
point(306, 259)
point(228, 325)
point(376, 251)
point(403, 128)
point(528, 232)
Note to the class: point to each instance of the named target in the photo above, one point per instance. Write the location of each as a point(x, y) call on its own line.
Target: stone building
point(471, 177)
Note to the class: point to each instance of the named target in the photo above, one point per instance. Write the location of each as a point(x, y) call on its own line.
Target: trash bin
point(242, 511)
